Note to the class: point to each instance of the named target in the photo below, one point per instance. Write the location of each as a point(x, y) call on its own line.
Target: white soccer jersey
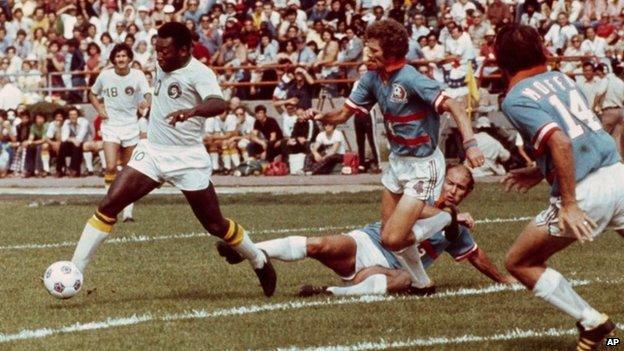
point(246, 127)
point(181, 89)
point(217, 125)
point(121, 94)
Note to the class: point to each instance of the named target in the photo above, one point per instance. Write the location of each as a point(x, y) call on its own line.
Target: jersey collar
point(392, 67)
point(529, 72)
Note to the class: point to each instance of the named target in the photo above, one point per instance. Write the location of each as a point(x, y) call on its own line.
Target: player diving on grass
point(123, 90)
point(186, 92)
point(359, 258)
point(579, 160)
point(410, 103)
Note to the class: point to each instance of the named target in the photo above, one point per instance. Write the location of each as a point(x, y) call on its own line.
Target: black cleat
point(430, 290)
point(592, 339)
point(451, 231)
point(225, 250)
point(267, 276)
point(311, 290)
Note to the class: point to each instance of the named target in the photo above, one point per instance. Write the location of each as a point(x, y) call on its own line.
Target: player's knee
point(395, 242)
point(403, 281)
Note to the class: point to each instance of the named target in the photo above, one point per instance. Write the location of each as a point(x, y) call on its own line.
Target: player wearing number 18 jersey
point(580, 161)
point(123, 89)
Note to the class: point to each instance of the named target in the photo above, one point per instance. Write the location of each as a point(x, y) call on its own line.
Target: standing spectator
point(494, 152)
point(364, 132)
point(326, 152)
point(560, 34)
point(74, 133)
point(34, 147)
point(266, 133)
point(591, 86)
point(611, 103)
point(77, 65)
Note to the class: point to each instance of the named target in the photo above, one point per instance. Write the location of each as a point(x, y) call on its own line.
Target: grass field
point(160, 285)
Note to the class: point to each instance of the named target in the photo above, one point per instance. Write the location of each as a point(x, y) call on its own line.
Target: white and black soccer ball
point(62, 279)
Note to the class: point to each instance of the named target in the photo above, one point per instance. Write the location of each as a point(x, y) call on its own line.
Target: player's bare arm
point(147, 102)
point(571, 217)
point(473, 153)
point(210, 107)
point(99, 107)
point(482, 263)
point(338, 116)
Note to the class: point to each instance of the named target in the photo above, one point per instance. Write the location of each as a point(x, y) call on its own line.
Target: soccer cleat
point(311, 290)
point(225, 250)
point(430, 290)
point(592, 339)
point(267, 276)
point(451, 231)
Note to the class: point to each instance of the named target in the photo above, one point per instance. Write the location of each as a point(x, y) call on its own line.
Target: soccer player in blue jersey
point(580, 161)
point(366, 266)
point(410, 103)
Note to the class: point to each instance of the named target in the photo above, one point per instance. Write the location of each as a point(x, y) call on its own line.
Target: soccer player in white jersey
point(186, 92)
point(123, 89)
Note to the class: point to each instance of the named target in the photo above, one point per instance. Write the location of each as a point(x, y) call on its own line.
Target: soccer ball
point(62, 279)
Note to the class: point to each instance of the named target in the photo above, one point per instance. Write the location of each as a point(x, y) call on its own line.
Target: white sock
point(425, 228)
point(374, 285)
point(127, 212)
point(245, 156)
point(89, 241)
point(250, 251)
point(291, 248)
point(45, 159)
point(410, 260)
point(102, 159)
point(235, 158)
point(214, 158)
point(227, 160)
point(88, 157)
point(554, 288)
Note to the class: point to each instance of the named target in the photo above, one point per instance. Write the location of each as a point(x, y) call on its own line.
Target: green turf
point(161, 278)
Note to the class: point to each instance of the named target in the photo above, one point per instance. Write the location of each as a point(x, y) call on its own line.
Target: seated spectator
point(560, 34)
point(218, 140)
point(34, 147)
point(494, 152)
point(326, 151)
point(74, 133)
point(304, 131)
point(573, 67)
point(95, 145)
point(244, 126)
point(479, 29)
point(266, 134)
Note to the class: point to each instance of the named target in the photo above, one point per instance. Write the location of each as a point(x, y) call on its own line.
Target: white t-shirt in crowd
point(336, 137)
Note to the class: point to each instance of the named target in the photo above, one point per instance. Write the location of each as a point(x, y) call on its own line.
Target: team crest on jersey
point(174, 91)
point(398, 93)
point(129, 90)
point(419, 187)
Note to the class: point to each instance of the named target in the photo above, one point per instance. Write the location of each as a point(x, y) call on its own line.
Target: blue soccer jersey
point(542, 104)
point(409, 102)
point(429, 249)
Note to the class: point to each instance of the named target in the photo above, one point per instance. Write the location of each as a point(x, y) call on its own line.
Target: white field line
point(27, 334)
point(383, 344)
point(148, 238)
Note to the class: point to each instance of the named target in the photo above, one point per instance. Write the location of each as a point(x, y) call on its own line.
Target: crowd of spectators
point(53, 50)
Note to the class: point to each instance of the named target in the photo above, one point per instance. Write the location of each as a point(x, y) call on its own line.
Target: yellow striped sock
point(235, 233)
point(109, 179)
point(101, 225)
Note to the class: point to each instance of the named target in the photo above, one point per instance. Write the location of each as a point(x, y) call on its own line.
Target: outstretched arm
point(480, 261)
point(335, 117)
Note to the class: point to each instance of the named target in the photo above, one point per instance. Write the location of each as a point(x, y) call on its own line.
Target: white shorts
point(125, 136)
point(367, 254)
point(187, 168)
point(600, 195)
point(420, 177)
